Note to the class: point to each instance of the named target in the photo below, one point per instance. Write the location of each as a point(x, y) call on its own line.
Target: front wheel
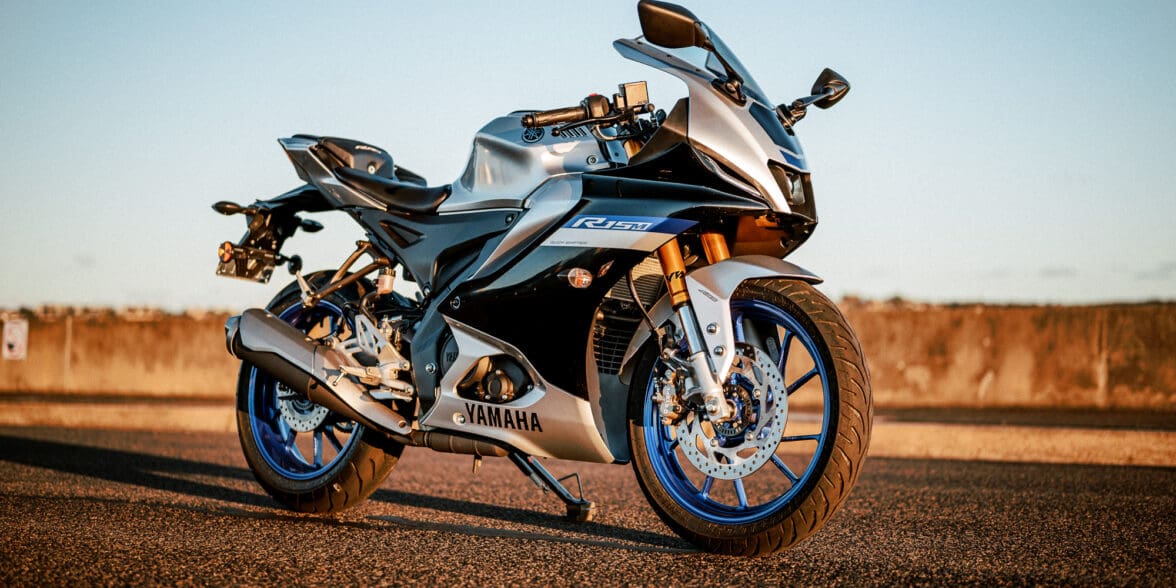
point(778, 470)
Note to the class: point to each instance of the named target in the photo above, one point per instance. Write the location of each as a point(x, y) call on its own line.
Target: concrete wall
point(1115, 356)
point(129, 353)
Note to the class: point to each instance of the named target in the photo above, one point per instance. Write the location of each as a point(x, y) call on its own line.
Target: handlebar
point(594, 106)
point(545, 118)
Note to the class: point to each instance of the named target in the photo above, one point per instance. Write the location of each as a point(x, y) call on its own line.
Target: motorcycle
point(604, 283)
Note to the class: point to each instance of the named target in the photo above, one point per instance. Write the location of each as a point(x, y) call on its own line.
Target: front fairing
point(745, 138)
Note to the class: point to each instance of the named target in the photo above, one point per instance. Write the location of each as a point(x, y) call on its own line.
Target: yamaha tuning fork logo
point(533, 135)
point(641, 233)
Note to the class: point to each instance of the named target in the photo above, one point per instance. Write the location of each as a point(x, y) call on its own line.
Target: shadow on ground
point(129, 467)
point(607, 534)
point(170, 474)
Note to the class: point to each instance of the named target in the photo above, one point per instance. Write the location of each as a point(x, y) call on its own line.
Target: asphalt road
point(104, 507)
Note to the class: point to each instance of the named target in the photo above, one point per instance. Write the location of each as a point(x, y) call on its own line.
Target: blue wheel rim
point(700, 498)
point(292, 454)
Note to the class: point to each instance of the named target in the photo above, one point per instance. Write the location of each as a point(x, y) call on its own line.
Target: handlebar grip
point(546, 118)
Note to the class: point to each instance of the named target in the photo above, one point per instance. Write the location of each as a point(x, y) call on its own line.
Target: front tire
point(306, 457)
point(800, 480)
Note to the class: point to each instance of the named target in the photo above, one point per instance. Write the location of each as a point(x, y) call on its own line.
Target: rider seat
point(370, 170)
point(393, 193)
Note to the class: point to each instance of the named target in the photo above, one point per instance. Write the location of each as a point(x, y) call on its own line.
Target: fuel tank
point(509, 161)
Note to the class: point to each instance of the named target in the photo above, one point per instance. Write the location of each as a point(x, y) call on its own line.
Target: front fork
point(705, 382)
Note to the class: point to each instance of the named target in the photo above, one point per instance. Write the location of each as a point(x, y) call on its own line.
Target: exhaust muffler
point(282, 351)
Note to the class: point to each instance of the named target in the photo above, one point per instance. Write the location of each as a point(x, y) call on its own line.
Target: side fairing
point(529, 302)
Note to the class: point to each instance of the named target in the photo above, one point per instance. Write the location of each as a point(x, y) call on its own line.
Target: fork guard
point(711, 288)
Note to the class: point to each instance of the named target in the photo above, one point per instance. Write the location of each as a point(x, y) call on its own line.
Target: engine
point(496, 379)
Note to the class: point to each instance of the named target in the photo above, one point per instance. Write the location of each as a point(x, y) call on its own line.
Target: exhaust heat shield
point(282, 351)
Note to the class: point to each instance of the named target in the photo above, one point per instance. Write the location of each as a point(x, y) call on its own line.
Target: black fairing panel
point(435, 248)
point(675, 170)
point(673, 131)
point(357, 155)
point(304, 198)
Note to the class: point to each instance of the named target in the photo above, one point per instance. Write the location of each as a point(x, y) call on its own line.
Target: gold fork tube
point(674, 271)
point(715, 247)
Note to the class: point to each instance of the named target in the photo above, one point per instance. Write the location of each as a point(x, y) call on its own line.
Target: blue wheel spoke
point(803, 380)
point(706, 487)
point(784, 347)
point(791, 438)
point(672, 445)
point(333, 439)
point(737, 321)
point(784, 468)
point(740, 493)
point(318, 449)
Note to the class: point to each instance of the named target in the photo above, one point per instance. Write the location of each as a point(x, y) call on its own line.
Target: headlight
point(791, 184)
point(796, 188)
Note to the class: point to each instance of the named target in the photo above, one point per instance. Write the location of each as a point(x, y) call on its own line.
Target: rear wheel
point(776, 473)
point(305, 456)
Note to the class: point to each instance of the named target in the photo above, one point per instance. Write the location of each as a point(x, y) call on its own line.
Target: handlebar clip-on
point(597, 110)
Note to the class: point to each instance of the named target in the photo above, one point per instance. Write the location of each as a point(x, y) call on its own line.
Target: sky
point(1000, 151)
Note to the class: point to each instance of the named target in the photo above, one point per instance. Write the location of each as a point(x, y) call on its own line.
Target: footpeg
point(578, 509)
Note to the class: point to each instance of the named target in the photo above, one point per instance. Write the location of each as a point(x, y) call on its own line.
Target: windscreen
point(744, 135)
point(715, 66)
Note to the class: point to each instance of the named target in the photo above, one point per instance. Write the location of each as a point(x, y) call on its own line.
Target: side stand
point(579, 510)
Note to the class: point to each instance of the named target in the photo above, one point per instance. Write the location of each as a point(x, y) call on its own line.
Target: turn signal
point(225, 252)
point(579, 277)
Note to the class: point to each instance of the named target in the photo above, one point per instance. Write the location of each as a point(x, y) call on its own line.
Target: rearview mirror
point(670, 25)
point(832, 84)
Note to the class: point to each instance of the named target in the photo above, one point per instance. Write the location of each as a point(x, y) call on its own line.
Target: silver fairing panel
point(313, 171)
point(508, 162)
point(507, 165)
point(719, 127)
point(567, 427)
point(552, 200)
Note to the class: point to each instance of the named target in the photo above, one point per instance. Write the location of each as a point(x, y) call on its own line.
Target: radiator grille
point(618, 318)
point(610, 338)
point(648, 275)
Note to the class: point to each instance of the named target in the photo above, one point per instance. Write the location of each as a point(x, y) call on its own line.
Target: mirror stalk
point(828, 90)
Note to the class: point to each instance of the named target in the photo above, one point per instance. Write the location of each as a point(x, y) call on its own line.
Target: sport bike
point(604, 283)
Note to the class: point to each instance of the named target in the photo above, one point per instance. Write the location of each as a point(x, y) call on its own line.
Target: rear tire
point(777, 505)
point(333, 464)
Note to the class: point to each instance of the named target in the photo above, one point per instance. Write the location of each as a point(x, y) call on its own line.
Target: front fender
point(710, 290)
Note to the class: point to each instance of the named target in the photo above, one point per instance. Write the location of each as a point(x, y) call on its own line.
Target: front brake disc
point(726, 451)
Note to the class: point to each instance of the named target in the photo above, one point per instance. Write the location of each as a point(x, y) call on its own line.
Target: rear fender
point(305, 198)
